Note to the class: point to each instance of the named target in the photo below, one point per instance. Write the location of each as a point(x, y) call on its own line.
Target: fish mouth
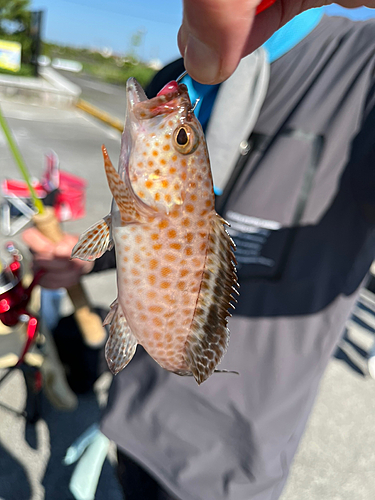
point(135, 93)
point(166, 102)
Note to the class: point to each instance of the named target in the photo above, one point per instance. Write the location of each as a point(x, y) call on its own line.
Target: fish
point(176, 269)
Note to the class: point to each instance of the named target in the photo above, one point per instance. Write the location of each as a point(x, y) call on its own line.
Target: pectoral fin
point(94, 241)
point(121, 344)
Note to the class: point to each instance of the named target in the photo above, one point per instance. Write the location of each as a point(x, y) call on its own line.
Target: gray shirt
point(302, 210)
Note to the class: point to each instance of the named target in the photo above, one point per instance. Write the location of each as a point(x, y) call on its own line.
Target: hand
point(216, 34)
point(54, 259)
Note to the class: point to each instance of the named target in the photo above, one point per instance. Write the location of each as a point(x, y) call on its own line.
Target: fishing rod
point(90, 324)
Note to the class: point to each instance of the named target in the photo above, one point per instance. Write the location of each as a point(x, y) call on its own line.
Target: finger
point(213, 36)
point(64, 247)
point(36, 241)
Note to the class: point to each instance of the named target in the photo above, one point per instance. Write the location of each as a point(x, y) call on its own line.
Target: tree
point(14, 16)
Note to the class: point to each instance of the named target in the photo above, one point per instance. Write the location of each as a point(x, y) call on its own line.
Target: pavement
point(336, 458)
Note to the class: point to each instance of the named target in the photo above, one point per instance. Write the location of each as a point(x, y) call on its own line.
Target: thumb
point(213, 36)
point(64, 248)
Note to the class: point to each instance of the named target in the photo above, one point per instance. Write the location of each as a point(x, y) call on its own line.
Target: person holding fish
point(290, 138)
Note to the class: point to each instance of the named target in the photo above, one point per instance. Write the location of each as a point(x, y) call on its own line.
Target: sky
point(111, 23)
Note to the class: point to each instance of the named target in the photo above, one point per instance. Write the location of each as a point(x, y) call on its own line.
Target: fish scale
point(175, 264)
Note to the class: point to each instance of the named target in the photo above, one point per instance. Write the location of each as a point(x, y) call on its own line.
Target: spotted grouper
point(175, 264)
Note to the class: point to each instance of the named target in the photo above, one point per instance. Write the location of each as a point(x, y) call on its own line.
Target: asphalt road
point(106, 96)
point(336, 459)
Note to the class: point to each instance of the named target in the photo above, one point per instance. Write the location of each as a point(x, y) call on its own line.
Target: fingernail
point(201, 62)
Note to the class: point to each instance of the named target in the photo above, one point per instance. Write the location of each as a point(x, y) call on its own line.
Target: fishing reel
point(15, 297)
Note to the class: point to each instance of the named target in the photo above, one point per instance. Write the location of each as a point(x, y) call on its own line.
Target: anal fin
point(95, 241)
point(121, 344)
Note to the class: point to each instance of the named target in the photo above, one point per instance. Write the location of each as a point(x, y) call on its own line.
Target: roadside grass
point(119, 75)
point(25, 70)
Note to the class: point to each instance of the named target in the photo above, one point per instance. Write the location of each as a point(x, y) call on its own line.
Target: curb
point(100, 114)
point(49, 89)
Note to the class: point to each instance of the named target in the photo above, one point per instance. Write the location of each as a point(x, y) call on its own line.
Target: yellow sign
point(10, 55)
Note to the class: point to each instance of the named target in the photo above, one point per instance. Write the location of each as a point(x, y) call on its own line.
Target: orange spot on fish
point(183, 176)
point(174, 213)
point(201, 223)
point(186, 222)
point(154, 236)
point(151, 294)
point(174, 158)
point(168, 198)
point(138, 239)
point(151, 279)
point(163, 162)
point(124, 237)
point(141, 194)
point(157, 246)
point(188, 251)
point(149, 184)
point(137, 259)
point(175, 246)
point(157, 322)
point(163, 224)
point(164, 183)
point(170, 257)
point(153, 264)
point(189, 208)
point(183, 163)
point(203, 213)
point(172, 233)
point(155, 309)
point(157, 336)
point(193, 197)
point(135, 271)
point(167, 136)
point(181, 285)
point(166, 147)
point(189, 237)
point(140, 164)
point(155, 153)
point(150, 163)
point(165, 284)
point(165, 271)
point(157, 196)
point(184, 272)
point(208, 203)
point(143, 317)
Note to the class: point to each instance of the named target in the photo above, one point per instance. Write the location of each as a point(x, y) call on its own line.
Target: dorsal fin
point(130, 207)
point(209, 337)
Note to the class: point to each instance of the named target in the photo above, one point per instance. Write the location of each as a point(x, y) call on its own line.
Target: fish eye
point(185, 139)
